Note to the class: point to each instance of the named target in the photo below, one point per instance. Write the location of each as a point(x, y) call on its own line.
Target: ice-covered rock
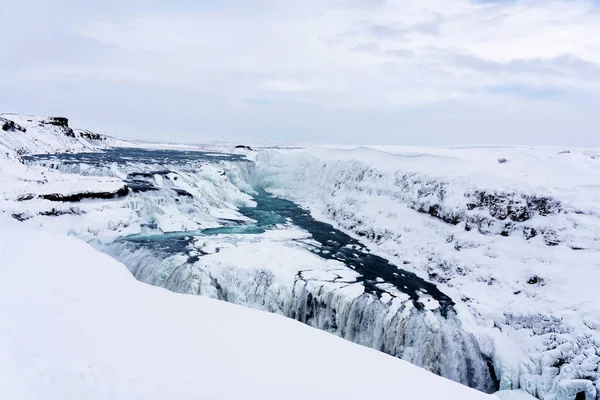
point(576, 389)
point(81, 327)
point(515, 244)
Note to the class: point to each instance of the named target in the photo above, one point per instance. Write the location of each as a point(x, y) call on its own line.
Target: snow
point(532, 297)
point(79, 326)
point(274, 272)
point(41, 136)
point(515, 244)
point(513, 395)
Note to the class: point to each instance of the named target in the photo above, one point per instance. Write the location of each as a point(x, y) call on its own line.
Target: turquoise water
point(269, 213)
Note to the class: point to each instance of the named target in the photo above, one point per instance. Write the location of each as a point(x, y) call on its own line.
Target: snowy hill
point(82, 328)
point(28, 134)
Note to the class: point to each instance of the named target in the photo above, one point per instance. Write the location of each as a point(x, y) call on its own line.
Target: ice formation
point(514, 244)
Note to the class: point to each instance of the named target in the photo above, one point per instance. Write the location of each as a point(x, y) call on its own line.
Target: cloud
point(387, 63)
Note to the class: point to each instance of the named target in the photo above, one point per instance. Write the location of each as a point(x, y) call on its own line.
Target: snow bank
point(514, 242)
point(79, 326)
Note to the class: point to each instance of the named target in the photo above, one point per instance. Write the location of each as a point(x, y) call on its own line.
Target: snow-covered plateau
point(478, 264)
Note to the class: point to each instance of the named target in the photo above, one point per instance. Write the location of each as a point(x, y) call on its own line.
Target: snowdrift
point(81, 327)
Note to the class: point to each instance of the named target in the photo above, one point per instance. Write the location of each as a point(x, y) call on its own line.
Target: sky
point(414, 72)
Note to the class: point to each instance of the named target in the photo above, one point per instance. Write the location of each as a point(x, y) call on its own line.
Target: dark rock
point(529, 233)
point(502, 161)
point(91, 135)
point(517, 208)
point(536, 280)
point(10, 126)
point(21, 217)
point(60, 122)
point(25, 197)
point(150, 174)
point(55, 213)
point(72, 198)
point(51, 213)
point(181, 192)
point(241, 146)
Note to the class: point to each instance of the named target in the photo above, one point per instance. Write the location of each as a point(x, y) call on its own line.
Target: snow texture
point(28, 134)
point(82, 328)
point(248, 270)
point(514, 242)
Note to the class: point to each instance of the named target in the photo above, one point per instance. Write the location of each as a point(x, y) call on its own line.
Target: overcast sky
point(356, 71)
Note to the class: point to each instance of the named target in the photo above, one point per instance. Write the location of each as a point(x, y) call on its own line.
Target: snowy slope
point(28, 134)
point(78, 326)
point(515, 243)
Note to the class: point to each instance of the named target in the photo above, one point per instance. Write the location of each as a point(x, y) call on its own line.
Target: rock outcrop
point(10, 126)
point(62, 123)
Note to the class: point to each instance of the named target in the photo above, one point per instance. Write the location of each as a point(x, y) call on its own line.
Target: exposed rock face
point(61, 122)
point(86, 195)
point(9, 126)
point(91, 135)
point(241, 146)
point(490, 212)
point(58, 121)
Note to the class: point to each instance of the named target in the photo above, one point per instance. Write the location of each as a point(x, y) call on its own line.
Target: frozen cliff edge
point(67, 339)
point(515, 243)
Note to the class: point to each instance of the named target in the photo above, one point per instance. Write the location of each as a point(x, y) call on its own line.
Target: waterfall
point(394, 326)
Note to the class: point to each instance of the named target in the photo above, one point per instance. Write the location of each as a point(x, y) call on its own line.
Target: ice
point(514, 244)
point(267, 272)
point(79, 327)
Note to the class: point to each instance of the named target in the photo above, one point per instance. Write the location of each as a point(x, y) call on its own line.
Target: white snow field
point(74, 324)
point(510, 234)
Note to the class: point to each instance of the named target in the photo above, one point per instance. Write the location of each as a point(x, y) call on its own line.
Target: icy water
point(270, 212)
point(337, 245)
point(134, 155)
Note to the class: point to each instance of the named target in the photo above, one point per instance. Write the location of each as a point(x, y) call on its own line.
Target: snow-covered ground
point(74, 324)
point(512, 235)
point(28, 134)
